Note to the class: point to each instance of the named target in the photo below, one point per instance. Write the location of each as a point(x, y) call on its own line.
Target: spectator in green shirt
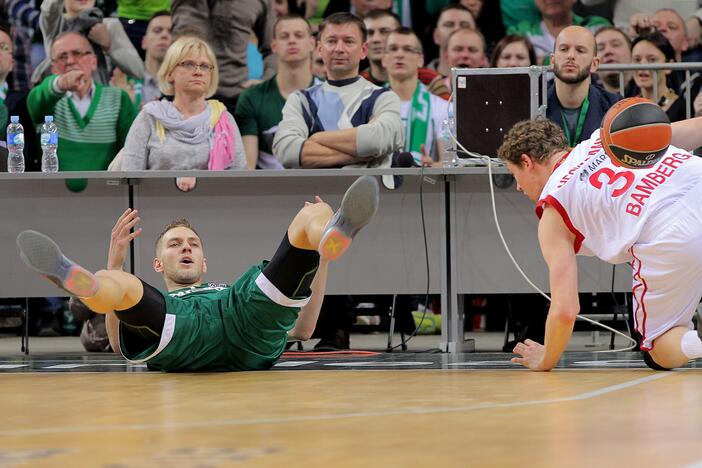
point(259, 109)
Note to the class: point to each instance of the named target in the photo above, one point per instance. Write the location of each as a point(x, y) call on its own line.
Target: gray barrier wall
point(242, 217)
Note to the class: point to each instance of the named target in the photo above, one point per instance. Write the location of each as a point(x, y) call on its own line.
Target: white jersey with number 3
point(649, 217)
point(610, 208)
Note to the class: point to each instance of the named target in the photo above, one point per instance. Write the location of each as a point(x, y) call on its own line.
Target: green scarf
point(418, 121)
point(397, 8)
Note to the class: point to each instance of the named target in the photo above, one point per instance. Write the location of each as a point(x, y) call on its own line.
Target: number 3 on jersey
point(612, 178)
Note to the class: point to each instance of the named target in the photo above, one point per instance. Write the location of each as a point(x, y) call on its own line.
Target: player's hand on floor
point(121, 236)
point(532, 354)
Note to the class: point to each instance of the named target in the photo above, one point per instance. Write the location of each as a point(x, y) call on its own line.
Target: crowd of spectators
point(272, 84)
point(99, 67)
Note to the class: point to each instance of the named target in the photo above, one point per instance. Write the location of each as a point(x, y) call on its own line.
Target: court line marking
point(326, 417)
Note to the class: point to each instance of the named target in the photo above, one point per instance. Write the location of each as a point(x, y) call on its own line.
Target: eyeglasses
point(192, 66)
point(406, 49)
point(5, 47)
point(75, 54)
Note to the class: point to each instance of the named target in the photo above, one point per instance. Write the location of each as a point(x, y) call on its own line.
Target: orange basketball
point(635, 133)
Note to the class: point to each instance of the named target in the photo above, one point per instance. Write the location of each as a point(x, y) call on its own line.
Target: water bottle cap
point(14, 119)
point(48, 118)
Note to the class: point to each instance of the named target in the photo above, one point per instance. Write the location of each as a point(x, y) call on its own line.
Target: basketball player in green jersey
point(205, 326)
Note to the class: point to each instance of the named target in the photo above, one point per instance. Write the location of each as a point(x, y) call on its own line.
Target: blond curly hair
point(538, 138)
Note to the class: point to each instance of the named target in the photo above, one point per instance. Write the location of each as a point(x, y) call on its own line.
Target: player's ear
point(204, 265)
point(158, 266)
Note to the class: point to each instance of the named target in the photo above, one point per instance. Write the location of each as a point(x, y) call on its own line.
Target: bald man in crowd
point(574, 103)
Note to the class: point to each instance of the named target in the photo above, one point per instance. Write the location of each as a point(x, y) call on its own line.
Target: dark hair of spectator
point(511, 39)
point(341, 18)
point(160, 13)
point(405, 31)
point(290, 17)
point(659, 41)
point(4, 19)
point(615, 29)
point(381, 13)
point(455, 6)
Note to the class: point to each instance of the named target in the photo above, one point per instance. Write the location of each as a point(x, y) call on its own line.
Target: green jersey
point(259, 111)
point(216, 327)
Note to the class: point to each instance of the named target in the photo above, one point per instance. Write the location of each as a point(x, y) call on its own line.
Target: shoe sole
point(42, 255)
point(358, 207)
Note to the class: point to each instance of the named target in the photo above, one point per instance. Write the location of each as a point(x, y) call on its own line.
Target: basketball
point(635, 133)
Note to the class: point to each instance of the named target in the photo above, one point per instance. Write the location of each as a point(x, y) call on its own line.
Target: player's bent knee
point(110, 293)
point(652, 364)
point(661, 360)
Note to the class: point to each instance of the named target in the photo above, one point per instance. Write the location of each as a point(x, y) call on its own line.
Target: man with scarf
point(421, 111)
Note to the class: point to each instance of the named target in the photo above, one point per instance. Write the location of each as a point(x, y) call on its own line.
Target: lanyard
point(580, 124)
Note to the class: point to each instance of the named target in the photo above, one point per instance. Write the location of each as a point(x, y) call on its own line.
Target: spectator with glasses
point(92, 119)
point(421, 111)
point(189, 132)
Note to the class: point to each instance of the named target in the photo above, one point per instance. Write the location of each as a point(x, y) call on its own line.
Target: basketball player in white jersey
point(589, 206)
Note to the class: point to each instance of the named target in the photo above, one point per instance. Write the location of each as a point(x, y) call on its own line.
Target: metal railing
point(622, 68)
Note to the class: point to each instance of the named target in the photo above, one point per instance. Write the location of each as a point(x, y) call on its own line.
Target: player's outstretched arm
point(112, 327)
point(687, 134)
point(120, 238)
point(557, 248)
point(307, 319)
point(119, 243)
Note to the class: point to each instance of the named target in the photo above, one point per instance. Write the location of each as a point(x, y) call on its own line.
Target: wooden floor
point(338, 418)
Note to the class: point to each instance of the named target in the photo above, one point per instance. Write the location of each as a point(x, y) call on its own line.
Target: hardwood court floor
point(444, 417)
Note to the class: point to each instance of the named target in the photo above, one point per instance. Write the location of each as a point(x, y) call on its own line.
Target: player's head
point(528, 150)
point(179, 254)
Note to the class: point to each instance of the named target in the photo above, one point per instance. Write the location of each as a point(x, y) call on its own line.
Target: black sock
point(292, 270)
point(147, 317)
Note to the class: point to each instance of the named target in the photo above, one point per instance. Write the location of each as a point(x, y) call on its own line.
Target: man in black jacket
point(574, 103)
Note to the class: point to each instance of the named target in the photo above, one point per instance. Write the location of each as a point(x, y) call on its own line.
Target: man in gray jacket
point(346, 121)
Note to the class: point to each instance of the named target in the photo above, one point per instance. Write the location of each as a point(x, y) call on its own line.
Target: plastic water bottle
point(448, 128)
point(49, 142)
point(15, 145)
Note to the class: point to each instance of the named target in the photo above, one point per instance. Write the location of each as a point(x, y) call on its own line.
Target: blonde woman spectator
point(190, 132)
